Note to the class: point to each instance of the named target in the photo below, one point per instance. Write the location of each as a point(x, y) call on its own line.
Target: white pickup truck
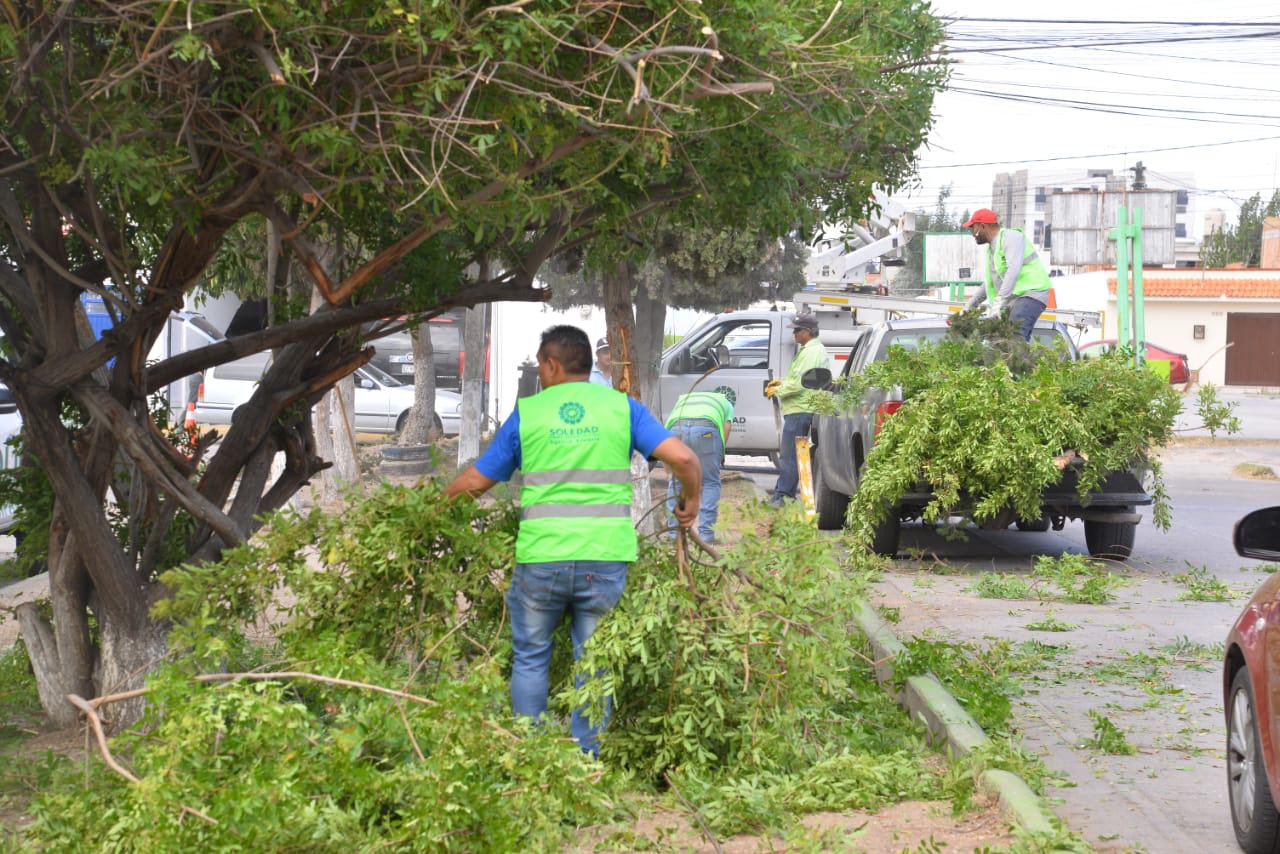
point(746, 349)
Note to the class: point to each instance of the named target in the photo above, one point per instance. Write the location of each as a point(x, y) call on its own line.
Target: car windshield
point(379, 376)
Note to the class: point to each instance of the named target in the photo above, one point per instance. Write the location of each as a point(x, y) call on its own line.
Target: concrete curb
point(924, 697)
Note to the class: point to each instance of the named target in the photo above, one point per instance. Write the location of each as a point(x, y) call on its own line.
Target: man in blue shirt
point(572, 442)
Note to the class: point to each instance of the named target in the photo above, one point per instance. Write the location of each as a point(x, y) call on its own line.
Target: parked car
point(10, 426)
point(394, 352)
point(841, 443)
point(1179, 372)
point(1251, 690)
point(382, 402)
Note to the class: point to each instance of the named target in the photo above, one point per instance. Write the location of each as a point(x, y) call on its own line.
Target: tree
point(386, 148)
point(1243, 243)
point(686, 266)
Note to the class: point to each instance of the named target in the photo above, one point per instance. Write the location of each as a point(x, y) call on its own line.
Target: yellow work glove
point(772, 388)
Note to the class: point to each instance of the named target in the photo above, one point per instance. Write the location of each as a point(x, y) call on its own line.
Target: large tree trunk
point(473, 365)
point(626, 378)
point(335, 431)
point(418, 430)
point(651, 320)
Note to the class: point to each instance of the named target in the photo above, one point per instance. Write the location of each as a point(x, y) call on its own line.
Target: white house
point(1226, 321)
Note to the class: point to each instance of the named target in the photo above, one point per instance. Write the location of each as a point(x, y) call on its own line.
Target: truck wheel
point(1109, 539)
point(773, 459)
point(829, 504)
point(884, 540)
point(1039, 525)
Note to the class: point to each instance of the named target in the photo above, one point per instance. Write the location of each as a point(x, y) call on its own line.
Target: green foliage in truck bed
point(987, 420)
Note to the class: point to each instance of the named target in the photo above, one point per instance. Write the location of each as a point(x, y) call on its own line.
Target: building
point(1226, 321)
point(1021, 199)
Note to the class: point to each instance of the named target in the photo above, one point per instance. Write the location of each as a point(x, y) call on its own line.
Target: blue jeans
point(538, 598)
point(1025, 311)
point(704, 439)
point(794, 426)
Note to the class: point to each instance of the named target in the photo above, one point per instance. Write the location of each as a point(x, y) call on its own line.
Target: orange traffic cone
point(1053, 299)
point(191, 429)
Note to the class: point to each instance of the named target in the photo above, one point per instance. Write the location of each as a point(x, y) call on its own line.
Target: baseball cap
point(602, 344)
point(981, 215)
point(805, 321)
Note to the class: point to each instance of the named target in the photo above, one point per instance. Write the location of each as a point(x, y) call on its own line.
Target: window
point(249, 368)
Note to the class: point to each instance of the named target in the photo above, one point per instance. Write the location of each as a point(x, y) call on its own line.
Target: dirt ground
point(904, 827)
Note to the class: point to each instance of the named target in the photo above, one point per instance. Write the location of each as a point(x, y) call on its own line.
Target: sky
point(1194, 88)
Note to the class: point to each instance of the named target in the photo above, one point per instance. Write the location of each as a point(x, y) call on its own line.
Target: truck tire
point(1039, 526)
point(1109, 539)
point(829, 504)
point(884, 540)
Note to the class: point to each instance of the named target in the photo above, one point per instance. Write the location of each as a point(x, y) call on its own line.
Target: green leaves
point(986, 419)
point(341, 684)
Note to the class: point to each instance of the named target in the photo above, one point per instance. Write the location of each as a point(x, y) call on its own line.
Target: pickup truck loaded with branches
point(957, 419)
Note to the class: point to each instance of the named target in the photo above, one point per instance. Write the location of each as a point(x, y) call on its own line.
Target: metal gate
point(1254, 357)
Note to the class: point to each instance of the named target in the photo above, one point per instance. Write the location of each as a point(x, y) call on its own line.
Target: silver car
point(382, 402)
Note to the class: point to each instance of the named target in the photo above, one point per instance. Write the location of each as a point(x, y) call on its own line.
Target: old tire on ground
point(1109, 539)
point(884, 540)
point(1253, 813)
point(405, 460)
point(405, 453)
point(829, 504)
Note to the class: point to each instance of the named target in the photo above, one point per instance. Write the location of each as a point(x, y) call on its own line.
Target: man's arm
point(470, 482)
point(686, 468)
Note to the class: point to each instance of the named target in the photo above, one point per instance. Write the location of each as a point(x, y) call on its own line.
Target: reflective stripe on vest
point(575, 448)
point(1032, 277)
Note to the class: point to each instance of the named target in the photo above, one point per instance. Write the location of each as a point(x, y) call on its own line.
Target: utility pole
point(1139, 176)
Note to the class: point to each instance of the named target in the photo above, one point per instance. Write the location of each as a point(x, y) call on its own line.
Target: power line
point(1107, 23)
point(1124, 109)
point(1103, 155)
point(1171, 40)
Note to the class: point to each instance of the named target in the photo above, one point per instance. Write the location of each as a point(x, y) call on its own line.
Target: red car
point(1251, 685)
point(1178, 370)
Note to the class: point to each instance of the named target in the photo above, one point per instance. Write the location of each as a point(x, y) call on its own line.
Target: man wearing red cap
point(1017, 281)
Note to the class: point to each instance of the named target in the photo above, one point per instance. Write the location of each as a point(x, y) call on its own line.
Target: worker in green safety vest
point(702, 420)
point(573, 443)
point(1017, 281)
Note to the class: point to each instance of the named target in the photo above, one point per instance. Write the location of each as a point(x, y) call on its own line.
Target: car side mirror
point(816, 378)
point(366, 383)
point(1257, 535)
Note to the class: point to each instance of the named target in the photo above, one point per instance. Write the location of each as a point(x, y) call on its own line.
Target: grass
point(1203, 586)
point(1067, 578)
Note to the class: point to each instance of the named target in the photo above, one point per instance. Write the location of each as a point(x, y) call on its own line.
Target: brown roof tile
point(1256, 284)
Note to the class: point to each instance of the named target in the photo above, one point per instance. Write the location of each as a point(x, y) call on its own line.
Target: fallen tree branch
point(91, 714)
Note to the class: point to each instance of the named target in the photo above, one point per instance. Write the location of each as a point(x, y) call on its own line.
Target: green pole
point(1139, 310)
point(1120, 236)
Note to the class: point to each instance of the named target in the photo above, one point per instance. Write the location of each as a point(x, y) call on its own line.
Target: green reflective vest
point(1032, 277)
point(711, 405)
point(575, 501)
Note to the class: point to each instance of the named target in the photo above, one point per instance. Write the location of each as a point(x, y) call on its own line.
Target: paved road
point(1171, 796)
